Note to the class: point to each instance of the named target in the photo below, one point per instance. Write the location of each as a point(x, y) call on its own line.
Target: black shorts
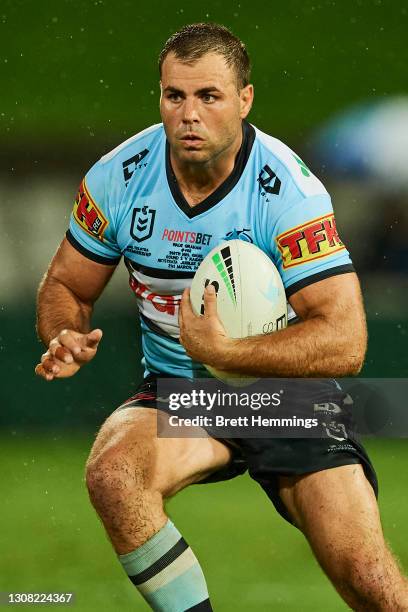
point(268, 458)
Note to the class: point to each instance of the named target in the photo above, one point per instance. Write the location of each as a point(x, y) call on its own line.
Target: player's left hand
point(203, 336)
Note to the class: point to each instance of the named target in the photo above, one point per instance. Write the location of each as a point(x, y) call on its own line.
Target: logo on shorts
point(142, 223)
point(335, 448)
point(87, 214)
point(327, 407)
point(335, 430)
point(313, 240)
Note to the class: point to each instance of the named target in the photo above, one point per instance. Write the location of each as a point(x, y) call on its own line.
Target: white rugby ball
point(251, 299)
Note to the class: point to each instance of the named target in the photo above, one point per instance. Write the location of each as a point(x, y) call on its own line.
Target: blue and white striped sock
point(166, 572)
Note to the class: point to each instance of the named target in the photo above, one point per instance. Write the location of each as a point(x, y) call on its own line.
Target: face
point(201, 107)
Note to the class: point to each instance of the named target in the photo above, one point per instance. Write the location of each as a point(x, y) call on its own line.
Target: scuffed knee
point(115, 472)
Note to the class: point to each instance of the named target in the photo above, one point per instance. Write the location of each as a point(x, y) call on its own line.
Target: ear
point(161, 94)
point(246, 98)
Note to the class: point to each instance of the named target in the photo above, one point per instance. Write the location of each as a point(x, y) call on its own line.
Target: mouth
point(191, 138)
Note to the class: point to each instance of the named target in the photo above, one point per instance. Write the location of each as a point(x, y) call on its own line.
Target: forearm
point(315, 347)
point(59, 308)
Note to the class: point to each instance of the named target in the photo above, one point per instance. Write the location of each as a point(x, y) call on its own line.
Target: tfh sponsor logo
point(312, 240)
point(87, 214)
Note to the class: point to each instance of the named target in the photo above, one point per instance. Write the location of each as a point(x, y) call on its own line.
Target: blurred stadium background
point(77, 78)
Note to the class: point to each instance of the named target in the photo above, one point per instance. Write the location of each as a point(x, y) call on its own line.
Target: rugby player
point(163, 199)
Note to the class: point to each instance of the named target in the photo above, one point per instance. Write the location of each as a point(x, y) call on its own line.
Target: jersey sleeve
point(91, 230)
point(306, 246)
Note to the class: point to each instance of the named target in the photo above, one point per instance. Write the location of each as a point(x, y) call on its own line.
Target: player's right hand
point(68, 352)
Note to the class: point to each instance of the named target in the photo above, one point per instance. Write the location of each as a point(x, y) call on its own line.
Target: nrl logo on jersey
point(142, 223)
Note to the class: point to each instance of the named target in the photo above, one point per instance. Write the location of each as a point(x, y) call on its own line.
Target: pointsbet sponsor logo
point(312, 240)
point(189, 237)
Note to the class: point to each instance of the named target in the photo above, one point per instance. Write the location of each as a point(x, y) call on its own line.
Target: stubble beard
point(204, 158)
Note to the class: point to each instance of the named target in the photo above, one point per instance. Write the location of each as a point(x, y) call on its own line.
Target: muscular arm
point(329, 341)
point(65, 301)
point(68, 291)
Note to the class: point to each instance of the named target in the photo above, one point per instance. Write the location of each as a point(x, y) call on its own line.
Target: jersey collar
point(248, 137)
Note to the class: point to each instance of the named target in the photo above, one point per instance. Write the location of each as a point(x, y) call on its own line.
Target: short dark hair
point(197, 39)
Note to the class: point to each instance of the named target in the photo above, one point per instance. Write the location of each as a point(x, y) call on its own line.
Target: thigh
point(331, 445)
point(168, 464)
point(273, 461)
point(337, 511)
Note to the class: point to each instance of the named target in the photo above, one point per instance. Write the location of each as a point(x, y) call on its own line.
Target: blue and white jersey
point(129, 204)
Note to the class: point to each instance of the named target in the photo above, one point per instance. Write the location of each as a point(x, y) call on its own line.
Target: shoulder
point(142, 140)
point(297, 180)
point(118, 166)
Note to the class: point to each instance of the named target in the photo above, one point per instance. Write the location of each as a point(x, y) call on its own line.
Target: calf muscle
point(337, 511)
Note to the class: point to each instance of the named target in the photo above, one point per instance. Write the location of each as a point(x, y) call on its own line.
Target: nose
point(190, 111)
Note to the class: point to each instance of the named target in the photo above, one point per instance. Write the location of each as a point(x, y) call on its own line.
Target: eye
point(208, 98)
point(174, 97)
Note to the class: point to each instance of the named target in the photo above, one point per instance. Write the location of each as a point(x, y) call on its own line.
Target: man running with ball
point(162, 200)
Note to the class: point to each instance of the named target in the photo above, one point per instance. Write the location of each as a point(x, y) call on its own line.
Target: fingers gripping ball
point(251, 298)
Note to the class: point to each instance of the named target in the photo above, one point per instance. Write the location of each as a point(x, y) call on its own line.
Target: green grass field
point(52, 541)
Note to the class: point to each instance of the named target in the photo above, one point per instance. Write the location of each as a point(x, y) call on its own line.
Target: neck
point(197, 181)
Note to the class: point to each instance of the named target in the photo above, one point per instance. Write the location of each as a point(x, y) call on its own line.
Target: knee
point(118, 469)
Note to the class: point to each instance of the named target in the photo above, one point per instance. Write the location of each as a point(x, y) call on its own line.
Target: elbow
point(343, 366)
point(354, 366)
point(354, 354)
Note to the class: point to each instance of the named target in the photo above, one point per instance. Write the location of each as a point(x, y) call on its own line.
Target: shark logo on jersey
point(142, 223)
point(239, 235)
